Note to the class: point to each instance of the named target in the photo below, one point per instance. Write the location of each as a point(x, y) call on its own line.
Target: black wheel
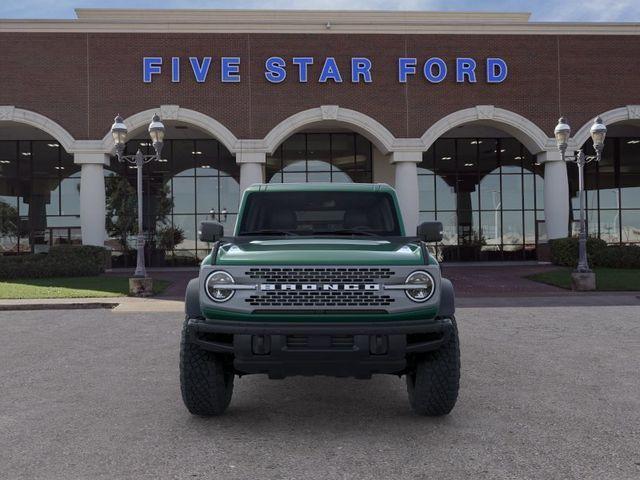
point(433, 384)
point(205, 381)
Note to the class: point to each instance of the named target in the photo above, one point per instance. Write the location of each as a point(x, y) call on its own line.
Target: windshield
point(320, 213)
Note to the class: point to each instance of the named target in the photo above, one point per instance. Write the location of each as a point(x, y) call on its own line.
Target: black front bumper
point(335, 349)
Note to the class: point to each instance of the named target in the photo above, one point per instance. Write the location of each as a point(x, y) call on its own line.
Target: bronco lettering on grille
point(267, 287)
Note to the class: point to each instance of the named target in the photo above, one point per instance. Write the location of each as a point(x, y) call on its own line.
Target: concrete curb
point(57, 306)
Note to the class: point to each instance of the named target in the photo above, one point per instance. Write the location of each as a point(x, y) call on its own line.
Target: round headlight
point(426, 286)
point(214, 281)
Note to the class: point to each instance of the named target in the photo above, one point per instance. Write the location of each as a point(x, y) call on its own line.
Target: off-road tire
point(434, 382)
point(205, 381)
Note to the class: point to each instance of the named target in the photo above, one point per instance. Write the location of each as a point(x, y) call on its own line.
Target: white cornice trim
point(292, 16)
point(300, 21)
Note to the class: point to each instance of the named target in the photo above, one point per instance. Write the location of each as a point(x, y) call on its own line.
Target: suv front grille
point(319, 298)
point(319, 274)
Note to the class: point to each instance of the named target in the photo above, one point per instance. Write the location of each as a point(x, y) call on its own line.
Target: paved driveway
point(546, 393)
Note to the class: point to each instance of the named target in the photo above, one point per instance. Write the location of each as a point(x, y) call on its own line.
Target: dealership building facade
point(456, 110)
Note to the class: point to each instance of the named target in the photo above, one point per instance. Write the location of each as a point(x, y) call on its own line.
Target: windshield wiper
point(348, 231)
point(270, 231)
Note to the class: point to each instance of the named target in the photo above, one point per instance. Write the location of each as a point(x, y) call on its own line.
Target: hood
point(320, 251)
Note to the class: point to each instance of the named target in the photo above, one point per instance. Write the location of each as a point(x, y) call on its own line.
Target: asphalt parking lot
point(546, 393)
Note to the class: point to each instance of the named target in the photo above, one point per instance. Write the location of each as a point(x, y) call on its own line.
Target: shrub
point(618, 256)
point(168, 237)
point(565, 252)
point(61, 261)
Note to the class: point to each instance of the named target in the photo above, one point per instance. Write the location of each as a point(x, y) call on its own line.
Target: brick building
point(456, 110)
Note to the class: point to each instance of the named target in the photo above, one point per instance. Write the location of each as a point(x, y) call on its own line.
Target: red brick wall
point(82, 80)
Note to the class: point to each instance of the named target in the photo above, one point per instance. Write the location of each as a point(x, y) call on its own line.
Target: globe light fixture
point(582, 278)
point(156, 133)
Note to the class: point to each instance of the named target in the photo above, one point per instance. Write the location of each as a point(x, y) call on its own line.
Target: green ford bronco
point(319, 279)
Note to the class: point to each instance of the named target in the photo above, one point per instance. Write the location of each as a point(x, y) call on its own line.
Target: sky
point(542, 10)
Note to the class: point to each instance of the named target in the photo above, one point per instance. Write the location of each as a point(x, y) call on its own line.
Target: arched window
point(321, 157)
point(196, 180)
point(487, 192)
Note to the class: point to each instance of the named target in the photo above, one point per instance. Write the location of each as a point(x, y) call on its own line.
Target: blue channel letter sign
point(326, 70)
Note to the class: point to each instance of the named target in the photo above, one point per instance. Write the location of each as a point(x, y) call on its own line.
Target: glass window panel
point(466, 227)
point(488, 155)
point(276, 178)
point(325, 176)
point(274, 165)
point(183, 157)
point(348, 177)
point(591, 219)
point(630, 195)
point(512, 192)
point(609, 198)
point(363, 153)
point(24, 159)
point(229, 194)
point(8, 159)
point(229, 224)
point(70, 196)
point(490, 192)
point(294, 153)
point(427, 164)
point(467, 192)
point(9, 222)
point(206, 195)
point(511, 155)
point(65, 221)
point(610, 226)
point(227, 164)
point(630, 226)
point(188, 224)
point(629, 155)
point(208, 153)
point(467, 154)
point(319, 152)
point(450, 227)
point(490, 223)
point(445, 195)
point(529, 227)
point(427, 217)
point(343, 151)
point(445, 156)
point(44, 196)
point(294, 177)
point(606, 181)
point(512, 231)
point(539, 181)
point(183, 195)
point(530, 163)
point(45, 159)
point(427, 193)
point(529, 192)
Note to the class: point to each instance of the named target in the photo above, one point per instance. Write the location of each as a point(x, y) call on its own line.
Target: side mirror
point(210, 232)
point(430, 231)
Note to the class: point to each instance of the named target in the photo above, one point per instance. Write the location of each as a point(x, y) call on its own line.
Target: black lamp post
point(598, 132)
point(156, 132)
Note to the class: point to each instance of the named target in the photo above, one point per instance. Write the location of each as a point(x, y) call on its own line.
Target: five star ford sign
point(360, 70)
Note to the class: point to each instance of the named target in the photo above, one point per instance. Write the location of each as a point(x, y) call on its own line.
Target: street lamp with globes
point(598, 132)
point(156, 132)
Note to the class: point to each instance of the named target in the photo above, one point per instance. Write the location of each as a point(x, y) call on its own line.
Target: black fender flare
point(447, 306)
point(192, 299)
